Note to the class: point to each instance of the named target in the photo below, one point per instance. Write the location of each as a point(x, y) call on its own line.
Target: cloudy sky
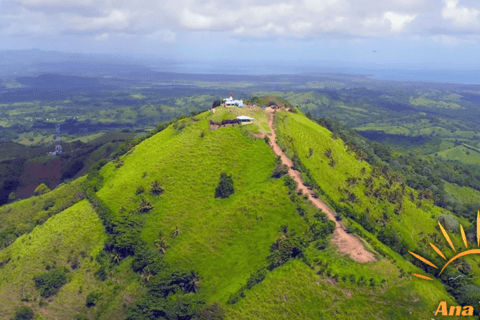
point(414, 34)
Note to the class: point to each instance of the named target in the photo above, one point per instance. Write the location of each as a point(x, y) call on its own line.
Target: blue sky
point(408, 34)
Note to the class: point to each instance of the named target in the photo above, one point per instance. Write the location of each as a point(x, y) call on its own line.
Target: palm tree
point(176, 232)
point(193, 282)
point(116, 257)
point(147, 276)
point(284, 230)
point(160, 244)
point(156, 188)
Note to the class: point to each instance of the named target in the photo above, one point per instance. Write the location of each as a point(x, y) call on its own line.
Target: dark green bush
point(280, 170)
point(225, 187)
point(24, 313)
point(48, 204)
point(156, 188)
point(50, 282)
point(92, 299)
point(290, 183)
point(213, 311)
point(140, 190)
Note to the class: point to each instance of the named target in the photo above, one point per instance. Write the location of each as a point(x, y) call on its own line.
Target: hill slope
point(155, 242)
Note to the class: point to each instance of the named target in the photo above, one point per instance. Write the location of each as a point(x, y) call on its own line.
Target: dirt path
point(347, 243)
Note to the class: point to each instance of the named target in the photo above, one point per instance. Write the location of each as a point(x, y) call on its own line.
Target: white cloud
point(460, 16)
point(116, 19)
point(161, 20)
point(195, 20)
point(398, 21)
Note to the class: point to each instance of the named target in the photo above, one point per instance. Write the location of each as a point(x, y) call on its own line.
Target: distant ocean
point(450, 76)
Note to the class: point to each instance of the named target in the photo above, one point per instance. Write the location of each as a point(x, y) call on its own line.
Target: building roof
point(244, 118)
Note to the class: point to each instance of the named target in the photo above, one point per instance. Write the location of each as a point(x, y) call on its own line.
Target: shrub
point(156, 188)
point(75, 263)
point(211, 312)
point(24, 313)
point(145, 206)
point(290, 183)
point(140, 190)
point(41, 189)
point(225, 187)
point(92, 299)
point(468, 295)
point(280, 170)
point(50, 282)
point(449, 222)
point(328, 153)
point(256, 278)
point(48, 204)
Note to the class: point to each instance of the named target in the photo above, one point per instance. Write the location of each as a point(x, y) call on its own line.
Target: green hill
point(152, 240)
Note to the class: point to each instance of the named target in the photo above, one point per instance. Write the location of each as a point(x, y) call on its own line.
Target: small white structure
point(230, 102)
point(244, 119)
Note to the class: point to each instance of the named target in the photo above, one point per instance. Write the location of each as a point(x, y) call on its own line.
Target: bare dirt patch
point(347, 243)
point(258, 135)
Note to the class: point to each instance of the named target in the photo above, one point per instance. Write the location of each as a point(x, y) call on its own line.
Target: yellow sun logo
point(459, 255)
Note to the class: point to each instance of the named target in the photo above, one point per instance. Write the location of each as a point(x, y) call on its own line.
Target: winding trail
point(347, 243)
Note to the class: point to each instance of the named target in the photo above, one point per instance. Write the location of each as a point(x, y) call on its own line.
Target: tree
point(41, 189)
point(193, 282)
point(225, 187)
point(50, 282)
point(216, 103)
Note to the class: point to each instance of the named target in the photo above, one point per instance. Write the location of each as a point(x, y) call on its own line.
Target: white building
point(244, 119)
point(230, 102)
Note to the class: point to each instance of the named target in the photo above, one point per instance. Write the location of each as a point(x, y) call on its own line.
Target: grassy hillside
point(224, 240)
point(373, 203)
point(22, 216)
point(154, 241)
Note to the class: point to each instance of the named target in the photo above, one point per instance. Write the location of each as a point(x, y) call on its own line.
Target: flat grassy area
point(461, 154)
point(223, 240)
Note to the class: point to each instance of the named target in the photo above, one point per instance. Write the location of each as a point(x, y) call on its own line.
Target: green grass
point(279, 297)
point(75, 232)
point(462, 154)
point(22, 216)
point(424, 102)
point(464, 194)
point(415, 225)
point(223, 240)
point(61, 238)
